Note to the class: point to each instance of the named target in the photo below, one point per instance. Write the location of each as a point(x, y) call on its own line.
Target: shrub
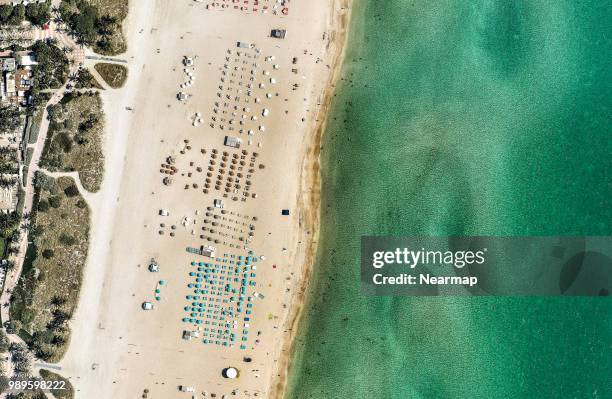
point(71, 191)
point(43, 206)
point(14, 326)
point(55, 201)
point(4, 342)
point(4, 383)
point(64, 140)
point(67, 240)
point(48, 253)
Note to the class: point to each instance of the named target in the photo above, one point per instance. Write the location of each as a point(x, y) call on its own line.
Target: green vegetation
point(21, 359)
point(8, 161)
point(74, 140)
point(47, 293)
point(97, 23)
point(113, 74)
point(67, 393)
point(85, 80)
point(38, 13)
point(26, 167)
point(10, 119)
point(4, 347)
point(53, 66)
point(12, 15)
point(30, 395)
point(35, 113)
point(9, 231)
point(34, 121)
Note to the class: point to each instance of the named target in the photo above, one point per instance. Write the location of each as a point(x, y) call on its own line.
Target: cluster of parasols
point(276, 7)
point(221, 225)
point(240, 92)
point(229, 172)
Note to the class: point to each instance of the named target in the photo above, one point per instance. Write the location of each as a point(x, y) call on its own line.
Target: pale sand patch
point(118, 350)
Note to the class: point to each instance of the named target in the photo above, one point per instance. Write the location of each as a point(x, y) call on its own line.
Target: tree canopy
point(52, 69)
point(88, 25)
point(36, 13)
point(10, 119)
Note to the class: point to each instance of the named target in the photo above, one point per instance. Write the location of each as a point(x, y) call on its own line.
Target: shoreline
point(309, 204)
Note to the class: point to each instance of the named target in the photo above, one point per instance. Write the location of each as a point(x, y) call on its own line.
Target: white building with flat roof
point(26, 60)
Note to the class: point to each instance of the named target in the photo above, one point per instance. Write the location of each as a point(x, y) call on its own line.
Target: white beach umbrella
point(231, 372)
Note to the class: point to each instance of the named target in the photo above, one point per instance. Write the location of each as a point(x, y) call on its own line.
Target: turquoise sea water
point(463, 118)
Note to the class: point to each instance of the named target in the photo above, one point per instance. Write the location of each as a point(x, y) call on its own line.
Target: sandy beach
point(271, 94)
